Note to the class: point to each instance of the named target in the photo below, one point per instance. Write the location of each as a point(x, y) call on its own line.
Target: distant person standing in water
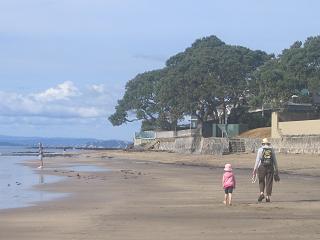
point(40, 155)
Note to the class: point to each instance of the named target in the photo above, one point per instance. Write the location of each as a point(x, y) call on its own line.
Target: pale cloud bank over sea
point(64, 101)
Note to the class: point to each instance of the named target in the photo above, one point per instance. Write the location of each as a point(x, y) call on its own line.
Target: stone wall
point(167, 144)
point(183, 144)
point(197, 145)
point(215, 146)
point(141, 141)
point(165, 134)
point(218, 146)
point(298, 144)
point(252, 144)
point(288, 144)
point(178, 144)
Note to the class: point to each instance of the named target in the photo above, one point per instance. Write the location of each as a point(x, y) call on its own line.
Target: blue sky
point(64, 63)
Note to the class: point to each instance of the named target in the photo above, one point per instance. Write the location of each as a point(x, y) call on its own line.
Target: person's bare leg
point(230, 198)
point(41, 162)
point(225, 201)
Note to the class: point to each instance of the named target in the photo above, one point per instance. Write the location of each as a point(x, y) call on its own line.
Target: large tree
point(143, 100)
point(293, 72)
point(270, 86)
point(302, 62)
point(139, 101)
point(205, 77)
point(211, 75)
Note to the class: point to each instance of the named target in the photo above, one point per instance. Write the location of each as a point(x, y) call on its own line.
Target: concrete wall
point(190, 141)
point(165, 134)
point(289, 144)
point(214, 146)
point(166, 144)
point(192, 144)
point(219, 146)
point(310, 127)
point(140, 141)
point(275, 132)
point(183, 145)
point(252, 144)
point(187, 132)
point(297, 144)
point(293, 128)
point(180, 133)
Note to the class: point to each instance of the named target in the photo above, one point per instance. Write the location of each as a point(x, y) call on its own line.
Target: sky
point(64, 63)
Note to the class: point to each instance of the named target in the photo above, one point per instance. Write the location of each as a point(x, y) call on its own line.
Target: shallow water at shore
point(17, 180)
point(84, 168)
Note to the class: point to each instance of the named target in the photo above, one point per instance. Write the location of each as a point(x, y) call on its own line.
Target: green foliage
point(211, 75)
point(296, 69)
point(139, 100)
point(270, 85)
point(143, 101)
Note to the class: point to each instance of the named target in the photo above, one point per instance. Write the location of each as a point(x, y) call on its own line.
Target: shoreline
point(158, 195)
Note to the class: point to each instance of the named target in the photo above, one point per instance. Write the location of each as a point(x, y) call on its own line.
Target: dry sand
point(152, 195)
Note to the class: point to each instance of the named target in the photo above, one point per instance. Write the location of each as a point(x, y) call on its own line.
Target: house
point(295, 119)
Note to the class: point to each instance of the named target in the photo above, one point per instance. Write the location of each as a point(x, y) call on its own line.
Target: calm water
point(16, 181)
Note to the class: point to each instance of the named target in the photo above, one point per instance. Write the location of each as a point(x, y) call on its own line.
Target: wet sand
point(150, 195)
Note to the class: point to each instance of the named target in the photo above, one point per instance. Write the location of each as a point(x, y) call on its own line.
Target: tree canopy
point(211, 75)
point(294, 72)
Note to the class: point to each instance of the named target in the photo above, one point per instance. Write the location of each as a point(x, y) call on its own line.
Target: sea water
point(17, 180)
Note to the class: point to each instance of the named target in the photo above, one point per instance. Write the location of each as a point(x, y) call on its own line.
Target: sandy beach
point(157, 195)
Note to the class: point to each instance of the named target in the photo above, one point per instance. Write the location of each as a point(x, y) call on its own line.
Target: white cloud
point(64, 101)
point(97, 88)
point(63, 91)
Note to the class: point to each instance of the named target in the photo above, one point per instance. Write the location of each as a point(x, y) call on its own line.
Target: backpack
point(267, 159)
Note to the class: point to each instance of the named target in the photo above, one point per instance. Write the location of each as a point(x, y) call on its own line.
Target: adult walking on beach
point(40, 155)
point(267, 169)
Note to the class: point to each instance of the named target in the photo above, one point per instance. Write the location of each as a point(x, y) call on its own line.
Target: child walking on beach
point(228, 183)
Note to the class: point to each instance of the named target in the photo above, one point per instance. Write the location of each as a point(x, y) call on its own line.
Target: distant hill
point(8, 144)
point(62, 142)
